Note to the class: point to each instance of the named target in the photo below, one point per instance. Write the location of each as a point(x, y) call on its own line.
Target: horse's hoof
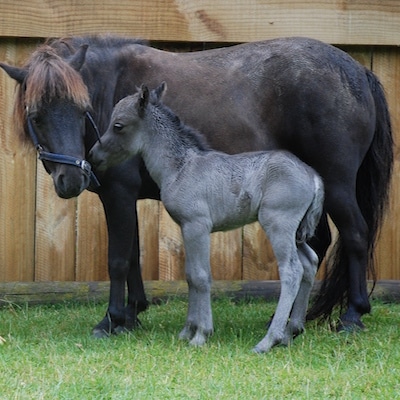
point(349, 326)
point(100, 333)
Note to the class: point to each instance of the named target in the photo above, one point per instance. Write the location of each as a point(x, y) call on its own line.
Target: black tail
point(373, 185)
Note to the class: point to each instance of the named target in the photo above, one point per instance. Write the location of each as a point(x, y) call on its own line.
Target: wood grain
point(91, 239)
point(47, 238)
point(258, 257)
point(17, 185)
point(386, 64)
point(55, 235)
point(148, 219)
point(341, 22)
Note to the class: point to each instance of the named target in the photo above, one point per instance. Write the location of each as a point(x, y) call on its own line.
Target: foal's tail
point(311, 218)
point(373, 185)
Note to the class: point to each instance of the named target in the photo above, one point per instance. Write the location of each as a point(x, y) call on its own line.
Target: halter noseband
point(64, 159)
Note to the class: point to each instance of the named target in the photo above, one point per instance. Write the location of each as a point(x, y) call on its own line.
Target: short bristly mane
point(48, 77)
point(186, 133)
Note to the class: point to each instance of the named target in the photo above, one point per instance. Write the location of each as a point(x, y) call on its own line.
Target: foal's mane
point(186, 133)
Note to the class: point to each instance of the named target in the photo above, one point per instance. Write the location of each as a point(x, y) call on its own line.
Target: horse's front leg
point(119, 203)
point(199, 323)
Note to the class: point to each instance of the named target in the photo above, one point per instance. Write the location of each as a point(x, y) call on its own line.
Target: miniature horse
point(206, 191)
point(296, 94)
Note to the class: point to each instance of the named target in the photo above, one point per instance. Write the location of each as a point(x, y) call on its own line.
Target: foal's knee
point(200, 280)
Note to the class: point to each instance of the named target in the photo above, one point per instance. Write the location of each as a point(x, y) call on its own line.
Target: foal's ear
point(143, 100)
point(160, 90)
point(18, 74)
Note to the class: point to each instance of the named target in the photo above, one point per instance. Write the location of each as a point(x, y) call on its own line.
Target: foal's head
point(53, 98)
point(121, 141)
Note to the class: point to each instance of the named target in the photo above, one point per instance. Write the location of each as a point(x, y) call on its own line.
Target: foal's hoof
point(261, 349)
point(199, 339)
point(186, 333)
point(195, 336)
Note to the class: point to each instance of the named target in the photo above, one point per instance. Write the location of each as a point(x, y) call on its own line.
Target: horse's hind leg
point(353, 261)
point(309, 260)
point(322, 238)
point(199, 324)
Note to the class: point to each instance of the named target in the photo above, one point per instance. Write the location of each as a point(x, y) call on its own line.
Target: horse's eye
point(118, 127)
point(36, 119)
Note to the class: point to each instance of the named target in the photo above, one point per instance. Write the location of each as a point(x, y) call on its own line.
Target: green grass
point(48, 353)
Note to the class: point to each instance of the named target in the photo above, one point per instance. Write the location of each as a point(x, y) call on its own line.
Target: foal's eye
point(118, 127)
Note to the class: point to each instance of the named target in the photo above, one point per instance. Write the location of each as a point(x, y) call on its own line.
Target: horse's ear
point(19, 74)
point(143, 100)
point(77, 60)
point(160, 90)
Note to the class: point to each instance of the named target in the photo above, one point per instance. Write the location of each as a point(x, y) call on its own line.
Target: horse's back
point(280, 93)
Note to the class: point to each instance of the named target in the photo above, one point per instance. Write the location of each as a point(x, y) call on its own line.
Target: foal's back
point(231, 189)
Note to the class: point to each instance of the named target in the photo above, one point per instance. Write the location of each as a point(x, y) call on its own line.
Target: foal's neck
point(170, 144)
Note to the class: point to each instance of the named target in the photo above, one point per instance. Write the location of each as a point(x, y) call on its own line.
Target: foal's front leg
point(199, 324)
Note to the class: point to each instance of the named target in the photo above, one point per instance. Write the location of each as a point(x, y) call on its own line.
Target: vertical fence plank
point(55, 232)
point(17, 182)
point(386, 65)
point(148, 218)
point(171, 251)
point(259, 261)
point(226, 255)
point(91, 239)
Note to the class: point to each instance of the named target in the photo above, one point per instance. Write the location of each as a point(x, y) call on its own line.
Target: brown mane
point(48, 76)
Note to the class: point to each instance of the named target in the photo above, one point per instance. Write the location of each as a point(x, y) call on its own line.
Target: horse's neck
point(163, 151)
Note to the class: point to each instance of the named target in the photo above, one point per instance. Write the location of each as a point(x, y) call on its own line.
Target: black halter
point(64, 159)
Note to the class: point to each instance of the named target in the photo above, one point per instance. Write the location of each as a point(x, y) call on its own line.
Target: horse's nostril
point(68, 186)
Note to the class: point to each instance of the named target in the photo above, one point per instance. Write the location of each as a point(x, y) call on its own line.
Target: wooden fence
point(44, 238)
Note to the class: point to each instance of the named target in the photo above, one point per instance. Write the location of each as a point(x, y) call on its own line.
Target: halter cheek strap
point(65, 159)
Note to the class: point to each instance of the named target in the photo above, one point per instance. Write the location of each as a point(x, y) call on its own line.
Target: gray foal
point(206, 191)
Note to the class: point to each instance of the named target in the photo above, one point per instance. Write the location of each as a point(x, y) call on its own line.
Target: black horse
point(294, 93)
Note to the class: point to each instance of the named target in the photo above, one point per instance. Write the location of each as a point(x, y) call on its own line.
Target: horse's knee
point(118, 268)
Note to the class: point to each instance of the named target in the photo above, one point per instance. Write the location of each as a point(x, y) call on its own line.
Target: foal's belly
point(234, 212)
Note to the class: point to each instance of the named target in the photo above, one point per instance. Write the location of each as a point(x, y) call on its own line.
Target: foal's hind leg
point(199, 324)
point(309, 260)
point(282, 237)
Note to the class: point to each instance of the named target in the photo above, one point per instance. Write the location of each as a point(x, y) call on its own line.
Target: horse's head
point(121, 140)
point(50, 109)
